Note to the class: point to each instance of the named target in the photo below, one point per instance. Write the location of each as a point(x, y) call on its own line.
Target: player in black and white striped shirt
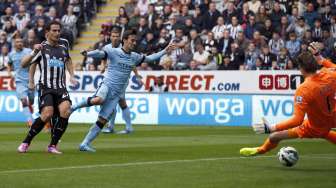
point(52, 58)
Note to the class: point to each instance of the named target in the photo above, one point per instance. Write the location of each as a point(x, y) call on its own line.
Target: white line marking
point(318, 156)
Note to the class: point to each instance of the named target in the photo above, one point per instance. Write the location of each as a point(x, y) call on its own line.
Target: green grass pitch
point(161, 157)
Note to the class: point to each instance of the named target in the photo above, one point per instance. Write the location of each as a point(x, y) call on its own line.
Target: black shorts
point(52, 97)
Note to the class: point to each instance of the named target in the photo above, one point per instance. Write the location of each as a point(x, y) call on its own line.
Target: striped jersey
point(51, 61)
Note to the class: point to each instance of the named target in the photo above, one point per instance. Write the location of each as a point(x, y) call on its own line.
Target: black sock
point(34, 130)
point(58, 130)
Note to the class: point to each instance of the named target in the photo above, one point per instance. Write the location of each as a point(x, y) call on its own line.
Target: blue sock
point(126, 115)
point(112, 120)
point(92, 134)
point(27, 113)
point(81, 104)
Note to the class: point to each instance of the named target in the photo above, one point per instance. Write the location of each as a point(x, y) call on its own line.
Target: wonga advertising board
point(205, 109)
point(273, 108)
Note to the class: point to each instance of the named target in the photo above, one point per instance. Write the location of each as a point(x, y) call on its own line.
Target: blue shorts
point(102, 91)
point(21, 90)
point(110, 98)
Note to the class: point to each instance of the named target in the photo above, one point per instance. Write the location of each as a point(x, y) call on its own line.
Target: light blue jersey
point(120, 65)
point(15, 58)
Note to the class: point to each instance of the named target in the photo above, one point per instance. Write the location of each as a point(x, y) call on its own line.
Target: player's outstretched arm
point(314, 48)
point(96, 54)
point(29, 59)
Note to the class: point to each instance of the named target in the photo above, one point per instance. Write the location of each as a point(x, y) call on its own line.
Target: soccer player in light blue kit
point(121, 63)
point(25, 95)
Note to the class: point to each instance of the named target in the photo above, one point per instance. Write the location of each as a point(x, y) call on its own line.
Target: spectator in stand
point(182, 17)
point(130, 6)
point(52, 14)
point(244, 14)
point(167, 64)
point(294, 17)
point(198, 19)
point(210, 42)
point(21, 18)
point(261, 15)
point(210, 17)
point(4, 58)
point(104, 39)
point(229, 13)
point(285, 27)
point(308, 37)
point(283, 59)
point(293, 45)
point(258, 40)
point(9, 28)
point(39, 14)
point(195, 39)
point(159, 6)
point(326, 16)
point(183, 60)
point(237, 56)
point(30, 40)
point(227, 64)
point(148, 45)
point(151, 16)
point(4, 41)
point(332, 26)
point(134, 20)
point(143, 6)
point(276, 15)
point(225, 42)
point(310, 15)
point(215, 59)
point(39, 30)
point(254, 5)
point(267, 57)
point(328, 40)
point(300, 28)
point(122, 13)
point(142, 29)
point(69, 21)
point(60, 8)
point(251, 57)
point(201, 57)
point(219, 28)
point(267, 29)
point(251, 27)
point(242, 41)
point(167, 12)
point(317, 32)
point(164, 39)
point(8, 16)
point(188, 26)
point(234, 27)
point(276, 43)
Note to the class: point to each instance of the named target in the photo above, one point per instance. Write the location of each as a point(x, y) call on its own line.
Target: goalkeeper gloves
point(262, 128)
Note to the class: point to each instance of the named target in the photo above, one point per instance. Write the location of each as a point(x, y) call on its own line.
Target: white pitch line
point(323, 156)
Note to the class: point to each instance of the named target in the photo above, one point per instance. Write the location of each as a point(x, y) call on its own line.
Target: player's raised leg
point(97, 99)
point(270, 143)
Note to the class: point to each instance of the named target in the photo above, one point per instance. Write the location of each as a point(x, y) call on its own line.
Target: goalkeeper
point(316, 97)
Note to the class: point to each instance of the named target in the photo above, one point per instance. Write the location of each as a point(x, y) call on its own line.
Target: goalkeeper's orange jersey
point(316, 97)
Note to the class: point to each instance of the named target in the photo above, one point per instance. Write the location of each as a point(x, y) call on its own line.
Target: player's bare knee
point(123, 104)
point(97, 101)
point(64, 109)
point(47, 113)
point(24, 102)
point(275, 137)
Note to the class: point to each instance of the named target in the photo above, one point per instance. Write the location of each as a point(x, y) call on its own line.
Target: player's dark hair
point(307, 62)
point(54, 22)
point(128, 33)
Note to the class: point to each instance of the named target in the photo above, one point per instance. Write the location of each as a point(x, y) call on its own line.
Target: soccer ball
point(288, 156)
